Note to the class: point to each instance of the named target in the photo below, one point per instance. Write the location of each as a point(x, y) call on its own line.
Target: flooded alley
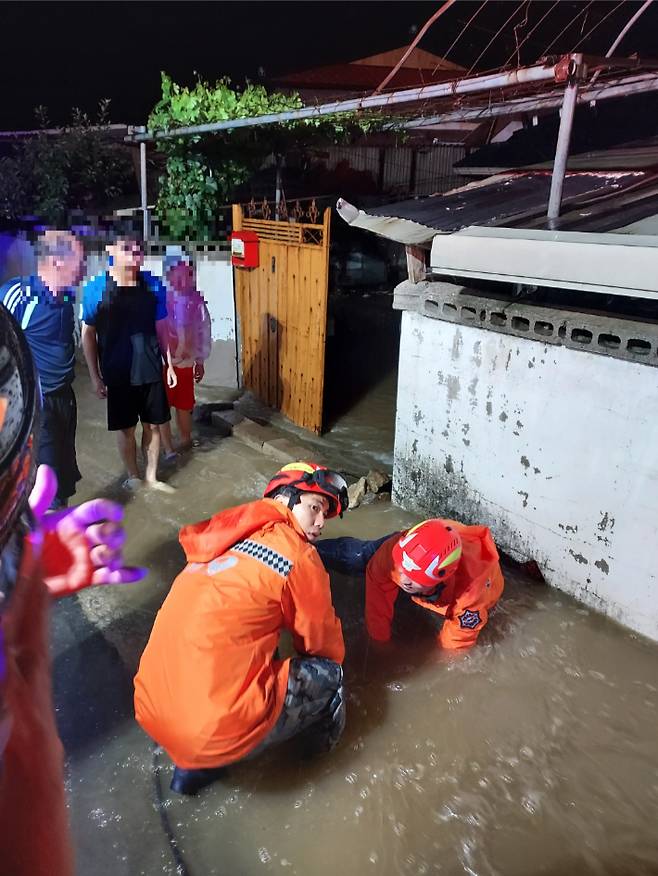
point(535, 753)
point(392, 268)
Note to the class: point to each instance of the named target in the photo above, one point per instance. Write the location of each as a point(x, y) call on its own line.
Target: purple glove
point(82, 546)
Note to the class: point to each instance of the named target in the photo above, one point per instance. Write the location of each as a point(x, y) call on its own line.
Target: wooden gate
point(282, 311)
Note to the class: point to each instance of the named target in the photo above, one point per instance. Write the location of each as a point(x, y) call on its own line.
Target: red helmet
point(308, 477)
point(429, 552)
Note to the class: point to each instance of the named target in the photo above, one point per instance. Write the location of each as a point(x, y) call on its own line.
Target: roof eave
point(403, 231)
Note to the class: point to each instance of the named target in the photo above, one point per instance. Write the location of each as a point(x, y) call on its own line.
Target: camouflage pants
point(314, 707)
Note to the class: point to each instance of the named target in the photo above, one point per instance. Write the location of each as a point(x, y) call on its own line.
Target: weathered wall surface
point(553, 448)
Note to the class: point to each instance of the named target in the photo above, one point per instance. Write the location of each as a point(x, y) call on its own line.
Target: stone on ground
point(376, 480)
point(355, 493)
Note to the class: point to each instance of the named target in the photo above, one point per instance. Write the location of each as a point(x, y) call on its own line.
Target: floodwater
point(536, 753)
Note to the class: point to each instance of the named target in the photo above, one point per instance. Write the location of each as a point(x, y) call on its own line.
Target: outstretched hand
point(82, 546)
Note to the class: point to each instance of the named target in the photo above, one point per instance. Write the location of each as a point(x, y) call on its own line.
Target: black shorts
point(128, 404)
point(59, 419)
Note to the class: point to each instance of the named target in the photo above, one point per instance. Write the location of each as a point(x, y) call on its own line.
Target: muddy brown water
point(536, 753)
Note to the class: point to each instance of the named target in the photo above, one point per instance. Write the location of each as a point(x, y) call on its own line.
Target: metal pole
point(629, 24)
point(472, 85)
point(621, 87)
point(279, 186)
point(143, 193)
point(563, 137)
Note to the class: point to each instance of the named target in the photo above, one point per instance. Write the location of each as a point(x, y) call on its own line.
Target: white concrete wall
point(555, 449)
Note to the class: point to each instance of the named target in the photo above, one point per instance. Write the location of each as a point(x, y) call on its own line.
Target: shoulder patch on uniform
point(469, 620)
point(266, 555)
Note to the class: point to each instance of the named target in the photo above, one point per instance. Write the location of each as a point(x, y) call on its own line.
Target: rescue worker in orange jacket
point(447, 567)
point(210, 687)
point(41, 555)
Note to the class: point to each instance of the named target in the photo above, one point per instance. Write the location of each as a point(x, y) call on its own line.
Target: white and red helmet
point(309, 477)
point(429, 552)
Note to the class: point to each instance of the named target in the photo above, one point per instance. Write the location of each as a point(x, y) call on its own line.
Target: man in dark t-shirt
point(124, 341)
point(42, 305)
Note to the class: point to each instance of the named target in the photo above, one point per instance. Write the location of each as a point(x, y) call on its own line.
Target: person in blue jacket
point(42, 304)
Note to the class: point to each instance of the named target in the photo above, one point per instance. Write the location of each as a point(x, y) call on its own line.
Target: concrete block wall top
point(618, 337)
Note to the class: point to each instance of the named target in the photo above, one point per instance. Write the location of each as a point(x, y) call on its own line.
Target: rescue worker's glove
point(80, 546)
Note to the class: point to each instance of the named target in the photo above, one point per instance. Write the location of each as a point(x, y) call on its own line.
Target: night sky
point(63, 54)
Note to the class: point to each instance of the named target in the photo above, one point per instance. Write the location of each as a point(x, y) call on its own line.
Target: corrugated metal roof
point(518, 200)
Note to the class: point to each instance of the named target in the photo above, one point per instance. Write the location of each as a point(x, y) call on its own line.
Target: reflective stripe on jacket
point(465, 601)
point(209, 688)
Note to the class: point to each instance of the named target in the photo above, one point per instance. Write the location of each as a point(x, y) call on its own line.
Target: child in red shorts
point(188, 325)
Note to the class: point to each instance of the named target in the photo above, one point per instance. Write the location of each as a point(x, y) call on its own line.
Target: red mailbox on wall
point(244, 249)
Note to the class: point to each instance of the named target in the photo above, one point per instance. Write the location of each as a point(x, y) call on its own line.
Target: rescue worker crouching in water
point(447, 567)
point(210, 687)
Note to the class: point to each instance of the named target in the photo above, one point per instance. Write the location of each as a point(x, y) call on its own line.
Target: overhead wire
point(517, 27)
point(461, 33)
point(530, 32)
point(421, 33)
point(582, 12)
point(629, 24)
point(598, 24)
point(496, 35)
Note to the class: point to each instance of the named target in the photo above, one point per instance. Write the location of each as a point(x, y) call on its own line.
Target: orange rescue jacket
point(209, 688)
point(465, 601)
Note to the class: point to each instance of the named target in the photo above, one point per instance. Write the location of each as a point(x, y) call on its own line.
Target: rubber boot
point(323, 736)
point(190, 782)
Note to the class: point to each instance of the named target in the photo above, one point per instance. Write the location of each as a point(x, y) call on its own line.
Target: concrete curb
point(266, 439)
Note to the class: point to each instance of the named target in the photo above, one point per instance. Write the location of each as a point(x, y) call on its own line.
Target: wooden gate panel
point(282, 308)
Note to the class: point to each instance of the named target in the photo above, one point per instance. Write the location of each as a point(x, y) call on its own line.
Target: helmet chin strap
point(434, 594)
point(293, 495)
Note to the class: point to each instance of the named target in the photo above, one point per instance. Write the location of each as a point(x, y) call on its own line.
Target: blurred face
point(180, 277)
point(311, 512)
point(405, 583)
point(127, 256)
point(63, 270)
point(69, 266)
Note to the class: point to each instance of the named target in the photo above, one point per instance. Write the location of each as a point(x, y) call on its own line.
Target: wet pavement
point(536, 753)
